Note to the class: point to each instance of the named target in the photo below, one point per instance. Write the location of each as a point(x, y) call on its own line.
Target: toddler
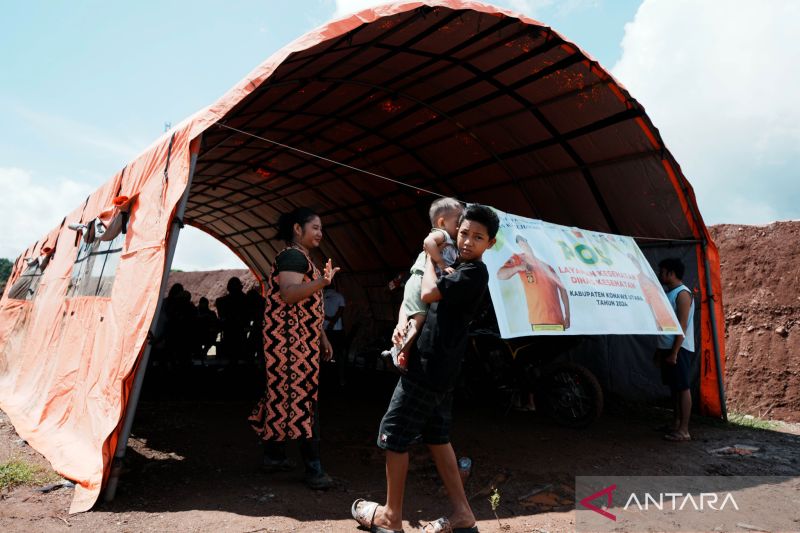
point(439, 245)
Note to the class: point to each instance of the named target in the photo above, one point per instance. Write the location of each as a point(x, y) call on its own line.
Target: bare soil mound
point(211, 283)
point(761, 296)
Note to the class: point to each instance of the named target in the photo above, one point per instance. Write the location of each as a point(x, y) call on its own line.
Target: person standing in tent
point(676, 352)
point(232, 311)
point(334, 304)
point(255, 317)
point(294, 341)
point(207, 328)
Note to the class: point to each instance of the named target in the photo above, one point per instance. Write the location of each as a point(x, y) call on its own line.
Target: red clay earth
point(193, 461)
point(761, 296)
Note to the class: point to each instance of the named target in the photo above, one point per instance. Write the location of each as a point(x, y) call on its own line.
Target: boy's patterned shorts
point(415, 412)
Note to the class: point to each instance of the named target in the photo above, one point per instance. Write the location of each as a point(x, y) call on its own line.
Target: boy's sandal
point(677, 437)
point(363, 512)
point(442, 525)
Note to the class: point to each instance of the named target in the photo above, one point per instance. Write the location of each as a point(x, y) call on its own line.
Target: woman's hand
point(326, 347)
point(329, 272)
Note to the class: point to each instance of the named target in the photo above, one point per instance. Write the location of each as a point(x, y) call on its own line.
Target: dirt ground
point(193, 462)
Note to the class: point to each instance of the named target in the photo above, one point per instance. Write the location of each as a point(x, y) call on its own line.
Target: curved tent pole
point(133, 401)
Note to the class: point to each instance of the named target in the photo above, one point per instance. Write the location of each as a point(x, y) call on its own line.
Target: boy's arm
point(430, 292)
point(684, 304)
point(431, 245)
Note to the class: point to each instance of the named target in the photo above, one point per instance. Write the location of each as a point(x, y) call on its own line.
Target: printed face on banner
point(547, 279)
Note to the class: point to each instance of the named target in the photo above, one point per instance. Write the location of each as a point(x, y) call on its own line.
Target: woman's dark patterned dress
point(292, 353)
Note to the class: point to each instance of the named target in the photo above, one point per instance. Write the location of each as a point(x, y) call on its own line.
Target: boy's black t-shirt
point(441, 345)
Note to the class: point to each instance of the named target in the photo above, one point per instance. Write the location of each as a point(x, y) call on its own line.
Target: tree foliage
point(5, 269)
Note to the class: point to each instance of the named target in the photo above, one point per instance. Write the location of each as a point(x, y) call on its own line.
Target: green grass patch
point(749, 421)
point(19, 472)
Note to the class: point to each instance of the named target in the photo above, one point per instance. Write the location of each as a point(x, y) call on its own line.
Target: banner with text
point(547, 279)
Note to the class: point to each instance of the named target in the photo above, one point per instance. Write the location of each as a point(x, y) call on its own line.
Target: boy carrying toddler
point(421, 405)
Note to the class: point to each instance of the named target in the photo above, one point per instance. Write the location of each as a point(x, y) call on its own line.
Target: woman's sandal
point(363, 512)
point(442, 525)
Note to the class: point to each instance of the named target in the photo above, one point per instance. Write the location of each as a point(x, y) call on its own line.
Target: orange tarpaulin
point(452, 96)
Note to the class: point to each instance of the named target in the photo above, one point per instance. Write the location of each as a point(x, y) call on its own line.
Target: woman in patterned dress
point(294, 342)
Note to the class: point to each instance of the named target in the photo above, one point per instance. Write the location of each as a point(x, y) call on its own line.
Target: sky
point(86, 85)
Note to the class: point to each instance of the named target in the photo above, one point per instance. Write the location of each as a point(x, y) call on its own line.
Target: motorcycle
point(529, 373)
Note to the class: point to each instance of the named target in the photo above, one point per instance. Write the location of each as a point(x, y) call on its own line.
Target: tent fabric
point(452, 96)
point(65, 362)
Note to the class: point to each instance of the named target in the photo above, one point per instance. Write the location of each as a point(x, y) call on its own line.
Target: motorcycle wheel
point(570, 395)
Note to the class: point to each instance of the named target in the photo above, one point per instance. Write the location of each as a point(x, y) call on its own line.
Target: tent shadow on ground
point(195, 451)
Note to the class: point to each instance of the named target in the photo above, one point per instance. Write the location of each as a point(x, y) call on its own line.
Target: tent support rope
point(332, 161)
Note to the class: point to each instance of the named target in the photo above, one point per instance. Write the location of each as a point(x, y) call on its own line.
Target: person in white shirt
point(334, 309)
point(676, 352)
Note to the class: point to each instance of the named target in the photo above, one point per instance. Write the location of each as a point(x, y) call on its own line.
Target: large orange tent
point(452, 96)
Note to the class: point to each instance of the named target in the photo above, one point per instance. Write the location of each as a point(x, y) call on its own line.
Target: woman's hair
point(286, 222)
